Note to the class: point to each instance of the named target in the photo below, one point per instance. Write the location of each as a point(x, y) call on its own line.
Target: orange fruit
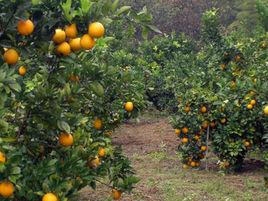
point(265, 110)
point(75, 44)
point(193, 164)
point(203, 109)
point(59, 36)
point(187, 109)
point(96, 30)
point(185, 166)
point(25, 27)
point(71, 31)
point(253, 102)
point(11, 56)
point(177, 131)
point(197, 164)
point(97, 124)
point(116, 194)
point(237, 58)
point(129, 106)
point(203, 148)
point(102, 152)
point(6, 189)
point(249, 107)
point(66, 139)
point(223, 120)
point(196, 137)
point(50, 197)
point(64, 49)
point(185, 130)
point(185, 140)
point(246, 143)
point(87, 42)
point(95, 162)
point(205, 125)
point(22, 70)
point(2, 157)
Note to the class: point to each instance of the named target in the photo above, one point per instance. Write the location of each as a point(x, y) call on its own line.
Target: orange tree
point(222, 98)
point(62, 97)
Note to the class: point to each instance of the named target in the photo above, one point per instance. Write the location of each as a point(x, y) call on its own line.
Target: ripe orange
point(177, 131)
point(96, 30)
point(11, 56)
point(203, 148)
point(193, 164)
point(97, 124)
point(22, 70)
point(66, 139)
point(185, 130)
point(213, 124)
point(185, 140)
point(75, 44)
point(59, 36)
point(95, 162)
point(203, 109)
point(205, 125)
point(102, 152)
point(265, 110)
point(2, 157)
point(87, 42)
point(71, 31)
point(129, 106)
point(253, 102)
point(6, 189)
point(50, 197)
point(64, 49)
point(116, 194)
point(187, 109)
point(197, 164)
point(26, 27)
point(196, 137)
point(237, 58)
point(246, 143)
point(223, 120)
point(249, 107)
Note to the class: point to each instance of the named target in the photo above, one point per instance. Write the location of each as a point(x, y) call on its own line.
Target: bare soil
point(151, 146)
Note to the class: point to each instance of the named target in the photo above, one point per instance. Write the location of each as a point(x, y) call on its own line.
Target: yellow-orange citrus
point(185, 130)
point(96, 30)
point(66, 139)
point(95, 162)
point(249, 107)
point(265, 110)
point(2, 157)
point(6, 189)
point(50, 197)
point(102, 152)
point(203, 148)
point(64, 49)
point(71, 31)
point(25, 27)
point(203, 109)
point(129, 106)
point(187, 109)
point(253, 102)
point(22, 70)
point(11, 56)
point(59, 36)
point(177, 131)
point(97, 124)
point(116, 194)
point(75, 44)
point(185, 140)
point(223, 120)
point(193, 164)
point(87, 42)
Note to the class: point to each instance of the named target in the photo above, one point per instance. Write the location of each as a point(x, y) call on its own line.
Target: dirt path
point(151, 146)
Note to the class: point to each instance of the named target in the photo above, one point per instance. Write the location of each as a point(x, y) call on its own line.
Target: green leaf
point(15, 86)
point(97, 88)
point(154, 28)
point(64, 126)
point(123, 10)
point(114, 5)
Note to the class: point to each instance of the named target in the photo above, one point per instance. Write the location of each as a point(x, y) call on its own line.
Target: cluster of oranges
point(67, 40)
